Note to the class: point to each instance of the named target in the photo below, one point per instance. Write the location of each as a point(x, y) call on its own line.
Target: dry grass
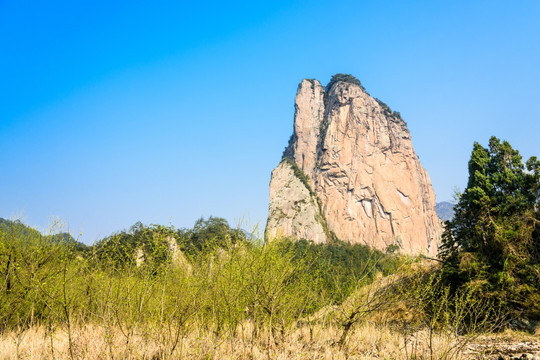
point(366, 341)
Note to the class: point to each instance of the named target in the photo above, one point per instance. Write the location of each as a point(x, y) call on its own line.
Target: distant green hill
point(23, 230)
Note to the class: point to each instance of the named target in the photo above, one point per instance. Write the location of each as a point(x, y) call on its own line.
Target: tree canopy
point(348, 78)
point(493, 242)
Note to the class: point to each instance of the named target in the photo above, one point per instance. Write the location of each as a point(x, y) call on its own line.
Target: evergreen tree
point(493, 242)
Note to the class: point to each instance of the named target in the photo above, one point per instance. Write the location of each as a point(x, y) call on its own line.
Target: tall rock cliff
point(350, 172)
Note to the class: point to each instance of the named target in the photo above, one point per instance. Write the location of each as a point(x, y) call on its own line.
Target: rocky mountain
point(350, 172)
point(445, 210)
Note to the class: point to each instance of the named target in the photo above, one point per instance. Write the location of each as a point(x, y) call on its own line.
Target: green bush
point(347, 78)
point(387, 111)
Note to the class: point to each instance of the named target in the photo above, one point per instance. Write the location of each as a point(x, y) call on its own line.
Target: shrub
point(347, 78)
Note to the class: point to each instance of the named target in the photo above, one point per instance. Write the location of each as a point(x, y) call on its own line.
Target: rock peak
point(350, 171)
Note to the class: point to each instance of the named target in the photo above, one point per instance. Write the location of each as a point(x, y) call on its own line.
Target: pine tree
point(493, 242)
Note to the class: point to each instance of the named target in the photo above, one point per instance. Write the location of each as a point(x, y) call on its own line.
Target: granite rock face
point(294, 209)
point(350, 172)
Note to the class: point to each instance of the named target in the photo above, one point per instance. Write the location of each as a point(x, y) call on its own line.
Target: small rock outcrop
point(350, 172)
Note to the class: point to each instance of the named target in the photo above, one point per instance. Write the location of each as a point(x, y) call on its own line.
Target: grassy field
point(366, 341)
point(156, 293)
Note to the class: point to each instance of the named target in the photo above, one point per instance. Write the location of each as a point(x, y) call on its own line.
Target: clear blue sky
point(117, 111)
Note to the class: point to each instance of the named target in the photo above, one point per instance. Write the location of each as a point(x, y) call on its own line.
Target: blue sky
point(113, 112)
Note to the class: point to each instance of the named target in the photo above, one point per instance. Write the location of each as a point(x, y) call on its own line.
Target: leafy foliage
point(228, 285)
point(387, 111)
point(341, 265)
point(228, 278)
point(209, 234)
point(493, 242)
point(154, 242)
point(347, 78)
point(300, 175)
point(34, 269)
point(26, 231)
point(120, 249)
